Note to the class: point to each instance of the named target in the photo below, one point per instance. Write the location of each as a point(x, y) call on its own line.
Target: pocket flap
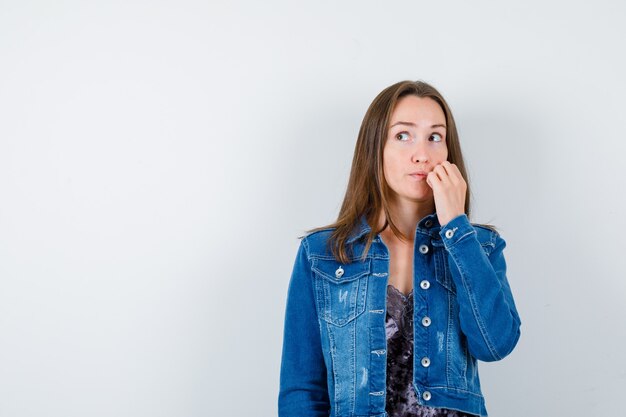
point(338, 272)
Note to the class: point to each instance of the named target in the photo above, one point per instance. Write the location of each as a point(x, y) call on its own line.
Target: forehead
point(419, 110)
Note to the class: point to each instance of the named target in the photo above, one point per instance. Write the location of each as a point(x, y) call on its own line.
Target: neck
point(406, 216)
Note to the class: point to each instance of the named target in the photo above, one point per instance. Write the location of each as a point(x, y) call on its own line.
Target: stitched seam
point(353, 356)
point(353, 259)
point(474, 305)
point(466, 234)
point(314, 283)
point(454, 389)
point(449, 356)
point(333, 350)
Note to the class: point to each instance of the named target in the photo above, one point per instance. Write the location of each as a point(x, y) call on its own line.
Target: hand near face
point(449, 190)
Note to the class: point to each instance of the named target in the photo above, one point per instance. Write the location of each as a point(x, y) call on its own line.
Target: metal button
point(426, 321)
point(426, 395)
point(425, 284)
point(423, 248)
point(425, 362)
point(339, 272)
point(449, 233)
point(428, 223)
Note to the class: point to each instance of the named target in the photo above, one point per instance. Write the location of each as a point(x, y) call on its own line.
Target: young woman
point(390, 307)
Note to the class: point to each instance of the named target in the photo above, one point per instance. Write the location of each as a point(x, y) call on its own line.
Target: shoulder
point(320, 245)
point(488, 236)
point(485, 230)
point(317, 242)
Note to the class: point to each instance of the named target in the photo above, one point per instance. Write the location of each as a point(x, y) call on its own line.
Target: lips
point(419, 173)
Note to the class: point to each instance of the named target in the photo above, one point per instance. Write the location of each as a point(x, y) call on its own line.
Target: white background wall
point(158, 160)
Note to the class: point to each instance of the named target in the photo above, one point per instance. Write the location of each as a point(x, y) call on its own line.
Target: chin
point(422, 194)
point(421, 189)
point(417, 196)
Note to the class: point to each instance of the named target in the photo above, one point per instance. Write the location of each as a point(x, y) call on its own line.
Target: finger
point(432, 180)
point(442, 174)
point(453, 172)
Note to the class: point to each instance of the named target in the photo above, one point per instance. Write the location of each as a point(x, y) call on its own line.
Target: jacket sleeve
point(303, 387)
point(487, 312)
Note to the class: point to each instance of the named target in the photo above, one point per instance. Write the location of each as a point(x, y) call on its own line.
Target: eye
point(440, 137)
point(401, 133)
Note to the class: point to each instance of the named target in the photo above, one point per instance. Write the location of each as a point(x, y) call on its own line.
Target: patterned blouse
point(401, 397)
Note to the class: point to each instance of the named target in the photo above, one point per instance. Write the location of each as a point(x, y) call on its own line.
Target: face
point(416, 141)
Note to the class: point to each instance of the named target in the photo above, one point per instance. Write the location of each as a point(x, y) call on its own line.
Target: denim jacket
point(334, 342)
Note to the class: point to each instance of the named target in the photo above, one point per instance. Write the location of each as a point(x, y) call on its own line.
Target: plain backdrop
point(159, 159)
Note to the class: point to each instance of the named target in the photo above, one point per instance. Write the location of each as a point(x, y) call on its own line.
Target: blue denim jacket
point(334, 343)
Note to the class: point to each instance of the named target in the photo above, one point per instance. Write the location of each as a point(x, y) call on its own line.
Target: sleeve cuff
point(456, 229)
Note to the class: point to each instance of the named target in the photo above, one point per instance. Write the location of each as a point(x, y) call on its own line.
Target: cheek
point(442, 155)
point(390, 164)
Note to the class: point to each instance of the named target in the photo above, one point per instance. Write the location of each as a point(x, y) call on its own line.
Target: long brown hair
point(367, 192)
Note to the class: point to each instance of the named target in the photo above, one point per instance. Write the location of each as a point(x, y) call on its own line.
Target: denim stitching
point(333, 350)
point(455, 389)
point(487, 247)
point(358, 299)
point(448, 350)
point(472, 299)
point(353, 356)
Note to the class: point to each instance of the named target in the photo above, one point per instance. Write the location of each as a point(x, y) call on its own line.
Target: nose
point(420, 151)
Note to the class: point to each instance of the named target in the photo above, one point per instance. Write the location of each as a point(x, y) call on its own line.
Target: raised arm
point(303, 386)
point(487, 312)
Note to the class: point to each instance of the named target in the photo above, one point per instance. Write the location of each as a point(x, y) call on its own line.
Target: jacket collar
point(427, 224)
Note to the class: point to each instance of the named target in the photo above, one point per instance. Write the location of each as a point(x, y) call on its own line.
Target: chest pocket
point(341, 289)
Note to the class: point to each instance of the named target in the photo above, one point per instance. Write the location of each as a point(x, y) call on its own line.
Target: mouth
point(418, 175)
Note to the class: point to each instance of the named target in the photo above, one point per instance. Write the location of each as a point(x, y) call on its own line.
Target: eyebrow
point(414, 125)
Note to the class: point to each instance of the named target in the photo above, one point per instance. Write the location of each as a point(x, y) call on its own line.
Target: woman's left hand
point(449, 190)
